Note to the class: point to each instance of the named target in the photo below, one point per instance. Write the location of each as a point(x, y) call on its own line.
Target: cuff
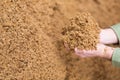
point(116, 57)
point(116, 29)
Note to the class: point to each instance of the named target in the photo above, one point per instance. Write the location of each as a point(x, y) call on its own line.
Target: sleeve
point(116, 53)
point(116, 29)
point(116, 57)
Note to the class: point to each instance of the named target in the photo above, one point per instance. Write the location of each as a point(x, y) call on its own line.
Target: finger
point(81, 52)
point(77, 51)
point(92, 53)
point(89, 51)
point(85, 53)
point(81, 55)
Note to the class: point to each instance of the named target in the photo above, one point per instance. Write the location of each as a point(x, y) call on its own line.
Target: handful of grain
point(82, 32)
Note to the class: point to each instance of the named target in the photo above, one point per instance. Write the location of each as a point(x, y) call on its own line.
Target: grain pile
point(26, 52)
point(82, 32)
point(30, 40)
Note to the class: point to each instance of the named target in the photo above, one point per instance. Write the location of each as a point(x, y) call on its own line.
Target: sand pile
point(82, 32)
point(26, 55)
point(26, 52)
point(30, 40)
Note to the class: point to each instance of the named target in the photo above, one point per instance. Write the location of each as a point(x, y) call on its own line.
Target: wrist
point(108, 52)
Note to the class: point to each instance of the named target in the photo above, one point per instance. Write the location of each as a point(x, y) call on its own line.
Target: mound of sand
point(82, 32)
point(26, 52)
point(32, 20)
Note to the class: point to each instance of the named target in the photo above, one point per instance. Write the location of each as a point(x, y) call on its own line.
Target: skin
point(106, 36)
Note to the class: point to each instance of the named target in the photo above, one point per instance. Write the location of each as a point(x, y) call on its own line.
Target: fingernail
point(76, 50)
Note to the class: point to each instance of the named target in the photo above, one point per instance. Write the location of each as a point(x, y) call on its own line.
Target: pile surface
point(21, 51)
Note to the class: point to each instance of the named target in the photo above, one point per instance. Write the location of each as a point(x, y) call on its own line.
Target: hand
point(102, 51)
point(108, 36)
